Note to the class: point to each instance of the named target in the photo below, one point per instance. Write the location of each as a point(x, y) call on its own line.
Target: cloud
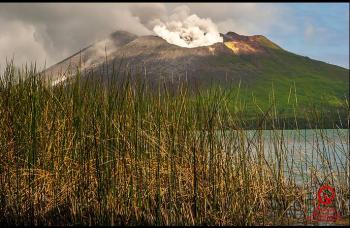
point(149, 14)
point(63, 29)
point(245, 18)
point(17, 41)
point(309, 32)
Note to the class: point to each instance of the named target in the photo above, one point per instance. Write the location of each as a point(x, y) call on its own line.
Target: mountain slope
point(255, 61)
point(89, 56)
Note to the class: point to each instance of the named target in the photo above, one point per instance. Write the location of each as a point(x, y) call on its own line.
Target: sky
point(46, 33)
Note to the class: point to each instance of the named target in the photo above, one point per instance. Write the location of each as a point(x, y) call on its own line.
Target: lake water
point(311, 145)
point(307, 153)
point(306, 148)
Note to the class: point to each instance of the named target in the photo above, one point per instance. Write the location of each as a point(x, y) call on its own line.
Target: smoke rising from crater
point(187, 30)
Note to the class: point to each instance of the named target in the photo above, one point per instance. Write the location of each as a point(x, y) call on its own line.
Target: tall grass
point(128, 154)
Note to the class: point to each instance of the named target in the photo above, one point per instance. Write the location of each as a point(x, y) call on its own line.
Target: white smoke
point(187, 30)
point(101, 50)
point(97, 54)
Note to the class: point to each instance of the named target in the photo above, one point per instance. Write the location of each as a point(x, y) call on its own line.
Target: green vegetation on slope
point(294, 84)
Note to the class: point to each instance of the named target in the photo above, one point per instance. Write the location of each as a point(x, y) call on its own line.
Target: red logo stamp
point(325, 210)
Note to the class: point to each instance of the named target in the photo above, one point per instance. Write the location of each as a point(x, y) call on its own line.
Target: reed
point(122, 154)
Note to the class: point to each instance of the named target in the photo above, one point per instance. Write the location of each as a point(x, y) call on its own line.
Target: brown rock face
point(240, 44)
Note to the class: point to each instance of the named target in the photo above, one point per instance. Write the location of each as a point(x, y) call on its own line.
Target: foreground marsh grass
point(88, 154)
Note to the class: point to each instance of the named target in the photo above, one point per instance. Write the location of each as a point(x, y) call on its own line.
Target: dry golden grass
point(85, 154)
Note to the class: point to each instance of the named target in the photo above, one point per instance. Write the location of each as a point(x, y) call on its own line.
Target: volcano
point(234, 59)
point(253, 60)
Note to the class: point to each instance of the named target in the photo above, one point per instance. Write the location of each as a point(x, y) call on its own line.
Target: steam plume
point(188, 30)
